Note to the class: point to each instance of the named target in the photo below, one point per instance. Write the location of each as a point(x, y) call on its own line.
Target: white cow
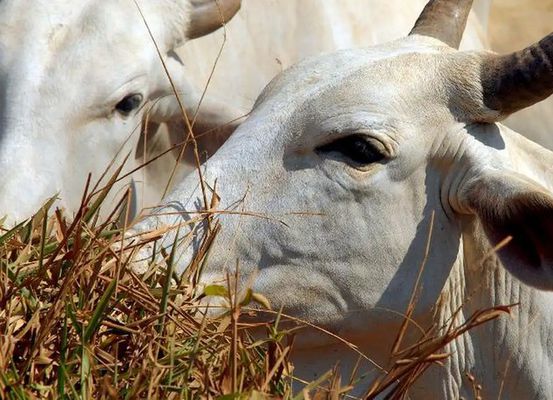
point(74, 79)
point(342, 165)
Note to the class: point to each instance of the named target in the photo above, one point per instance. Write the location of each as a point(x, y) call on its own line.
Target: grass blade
point(97, 317)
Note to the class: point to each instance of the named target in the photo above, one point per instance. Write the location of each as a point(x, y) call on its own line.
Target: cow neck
point(516, 348)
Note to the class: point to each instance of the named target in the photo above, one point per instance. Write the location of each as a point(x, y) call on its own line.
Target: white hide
point(340, 245)
point(268, 36)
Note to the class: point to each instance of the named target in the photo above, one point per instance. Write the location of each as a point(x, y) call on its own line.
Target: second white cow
point(74, 80)
point(268, 36)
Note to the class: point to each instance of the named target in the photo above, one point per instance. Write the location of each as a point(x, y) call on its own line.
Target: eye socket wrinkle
point(355, 148)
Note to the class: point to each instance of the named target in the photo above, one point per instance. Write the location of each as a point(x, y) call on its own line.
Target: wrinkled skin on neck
point(340, 245)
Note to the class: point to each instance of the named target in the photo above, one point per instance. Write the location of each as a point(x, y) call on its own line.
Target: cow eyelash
point(357, 150)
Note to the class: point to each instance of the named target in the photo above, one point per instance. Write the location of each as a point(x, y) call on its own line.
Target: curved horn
point(518, 80)
point(444, 20)
point(209, 15)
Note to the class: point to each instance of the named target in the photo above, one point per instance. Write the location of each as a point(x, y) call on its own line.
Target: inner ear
point(512, 206)
point(528, 219)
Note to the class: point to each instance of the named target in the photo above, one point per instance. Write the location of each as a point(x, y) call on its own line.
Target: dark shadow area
point(487, 134)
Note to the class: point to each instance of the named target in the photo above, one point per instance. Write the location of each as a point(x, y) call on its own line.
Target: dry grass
point(77, 322)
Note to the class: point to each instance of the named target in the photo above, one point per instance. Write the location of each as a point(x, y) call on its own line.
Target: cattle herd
point(365, 146)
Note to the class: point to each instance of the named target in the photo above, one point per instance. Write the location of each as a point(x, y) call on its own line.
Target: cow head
point(348, 160)
point(74, 81)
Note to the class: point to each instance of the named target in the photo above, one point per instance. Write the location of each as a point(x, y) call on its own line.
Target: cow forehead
point(39, 21)
point(20, 12)
point(39, 28)
point(312, 78)
point(351, 89)
point(36, 19)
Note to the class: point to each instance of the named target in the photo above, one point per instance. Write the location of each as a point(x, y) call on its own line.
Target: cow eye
point(129, 104)
point(354, 148)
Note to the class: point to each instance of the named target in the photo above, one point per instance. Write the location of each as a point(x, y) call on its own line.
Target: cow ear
point(511, 205)
point(213, 119)
point(207, 110)
point(212, 124)
point(205, 114)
